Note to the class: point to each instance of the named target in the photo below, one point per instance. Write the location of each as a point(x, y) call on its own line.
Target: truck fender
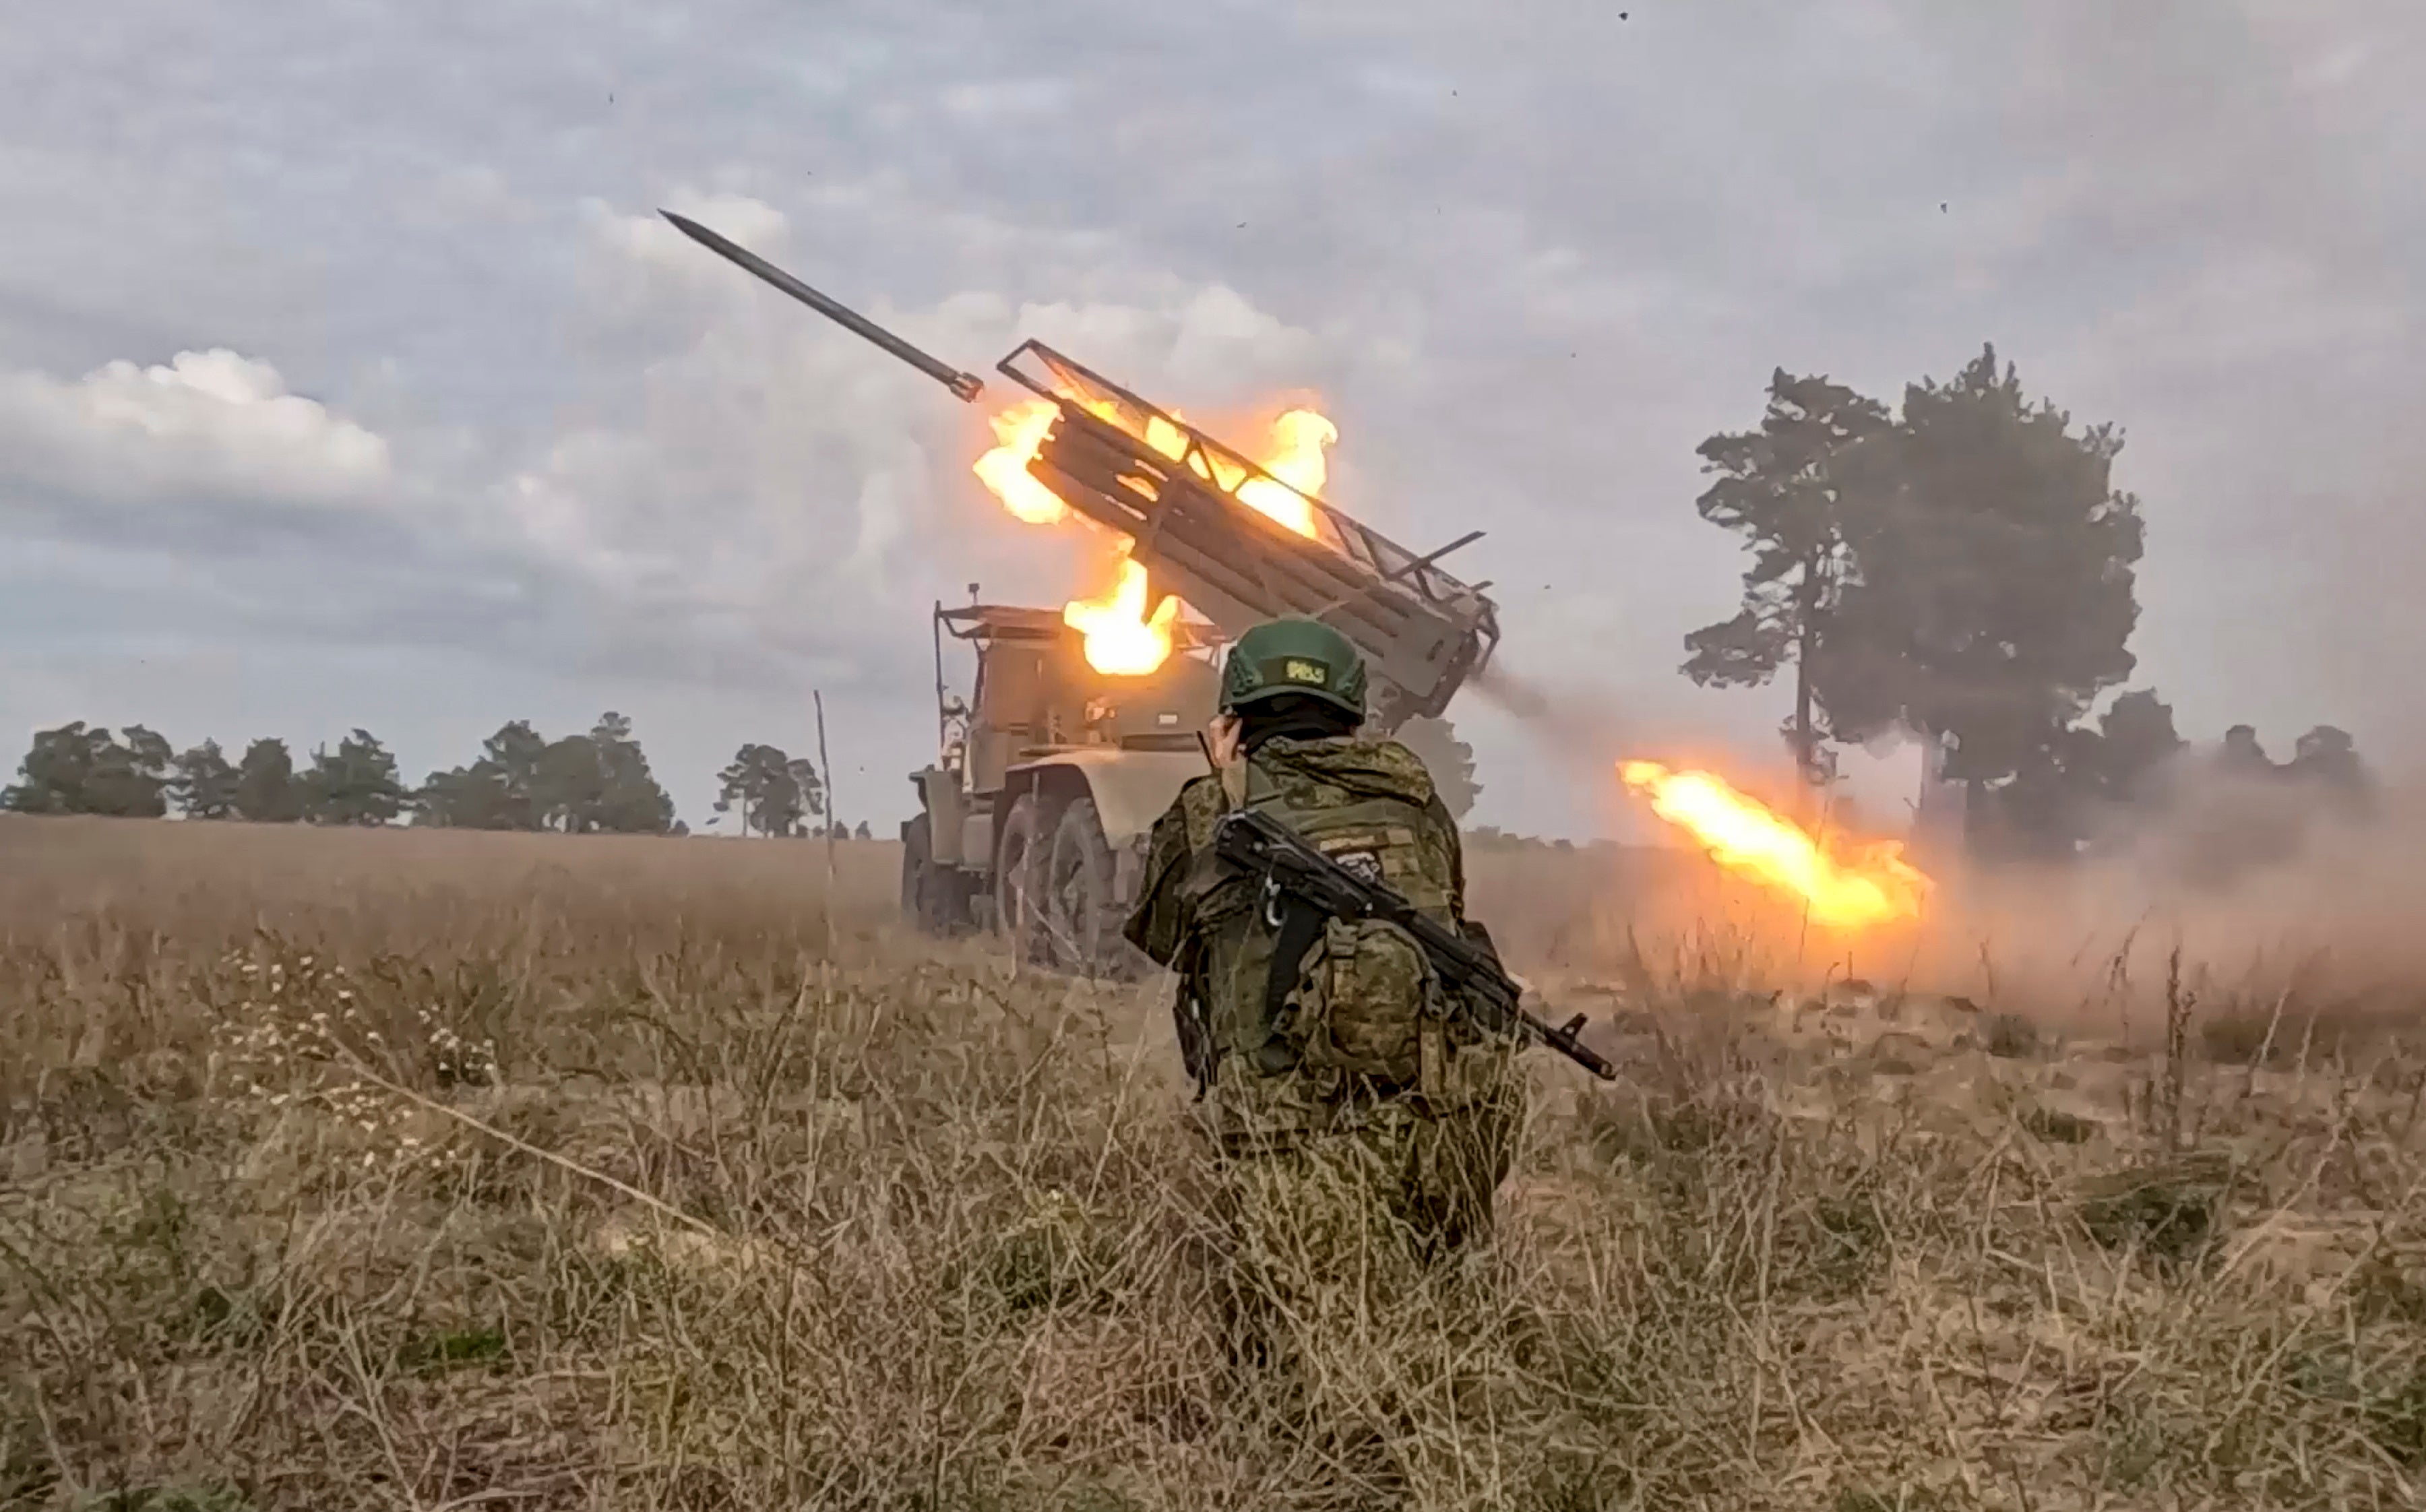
point(1131, 788)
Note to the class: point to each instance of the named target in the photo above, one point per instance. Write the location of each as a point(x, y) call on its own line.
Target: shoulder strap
point(1301, 925)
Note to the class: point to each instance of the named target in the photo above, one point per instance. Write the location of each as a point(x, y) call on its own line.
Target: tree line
point(1963, 571)
point(593, 783)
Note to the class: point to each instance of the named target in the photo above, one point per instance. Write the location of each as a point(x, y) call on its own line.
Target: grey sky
point(467, 436)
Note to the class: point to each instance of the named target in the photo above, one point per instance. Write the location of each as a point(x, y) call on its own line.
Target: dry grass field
point(440, 1170)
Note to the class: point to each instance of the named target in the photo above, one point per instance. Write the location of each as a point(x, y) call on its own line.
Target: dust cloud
point(2246, 900)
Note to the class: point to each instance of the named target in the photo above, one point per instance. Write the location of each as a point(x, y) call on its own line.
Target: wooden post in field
point(825, 769)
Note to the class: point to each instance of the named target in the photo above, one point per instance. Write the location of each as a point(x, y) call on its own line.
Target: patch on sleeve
point(1364, 865)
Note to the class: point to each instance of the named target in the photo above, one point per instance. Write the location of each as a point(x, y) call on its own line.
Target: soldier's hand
point(1222, 735)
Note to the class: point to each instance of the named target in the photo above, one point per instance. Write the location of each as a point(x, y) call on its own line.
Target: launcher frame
point(1423, 630)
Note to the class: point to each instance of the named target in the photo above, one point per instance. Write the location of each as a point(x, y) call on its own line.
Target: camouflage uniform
point(1336, 1193)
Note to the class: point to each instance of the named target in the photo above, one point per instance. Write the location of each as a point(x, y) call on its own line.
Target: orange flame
point(1296, 458)
point(1018, 432)
point(1120, 639)
point(1875, 885)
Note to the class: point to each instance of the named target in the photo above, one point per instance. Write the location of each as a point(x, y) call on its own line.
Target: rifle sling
point(1301, 925)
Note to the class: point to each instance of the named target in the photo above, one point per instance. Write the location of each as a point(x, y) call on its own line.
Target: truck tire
point(1085, 905)
point(917, 852)
point(934, 898)
point(1019, 902)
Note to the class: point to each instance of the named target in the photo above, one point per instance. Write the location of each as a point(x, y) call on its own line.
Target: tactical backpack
point(1365, 1003)
point(1349, 1003)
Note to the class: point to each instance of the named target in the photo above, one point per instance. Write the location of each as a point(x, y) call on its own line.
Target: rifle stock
point(1467, 963)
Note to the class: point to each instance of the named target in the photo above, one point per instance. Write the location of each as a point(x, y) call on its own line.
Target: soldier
point(1362, 1128)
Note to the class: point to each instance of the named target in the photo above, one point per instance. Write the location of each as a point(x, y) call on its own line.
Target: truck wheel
point(1087, 912)
point(917, 849)
point(1020, 904)
point(934, 898)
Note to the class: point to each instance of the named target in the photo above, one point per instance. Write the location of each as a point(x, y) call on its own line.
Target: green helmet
point(1294, 655)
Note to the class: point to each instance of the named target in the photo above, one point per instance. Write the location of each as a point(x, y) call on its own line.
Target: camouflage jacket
point(1192, 917)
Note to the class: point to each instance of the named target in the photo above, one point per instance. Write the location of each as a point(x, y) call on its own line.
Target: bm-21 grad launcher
point(1034, 819)
point(1422, 631)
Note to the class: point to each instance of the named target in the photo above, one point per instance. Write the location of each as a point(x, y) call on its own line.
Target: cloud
point(769, 473)
point(205, 426)
point(1527, 255)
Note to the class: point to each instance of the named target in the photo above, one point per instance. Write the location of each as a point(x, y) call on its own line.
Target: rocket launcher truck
point(1049, 775)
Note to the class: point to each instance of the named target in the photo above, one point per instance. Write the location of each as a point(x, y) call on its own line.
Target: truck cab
point(1034, 817)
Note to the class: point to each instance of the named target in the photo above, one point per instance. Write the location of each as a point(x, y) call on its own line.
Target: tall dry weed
point(398, 1170)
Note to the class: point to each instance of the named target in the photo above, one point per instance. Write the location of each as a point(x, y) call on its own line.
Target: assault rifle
point(1263, 847)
